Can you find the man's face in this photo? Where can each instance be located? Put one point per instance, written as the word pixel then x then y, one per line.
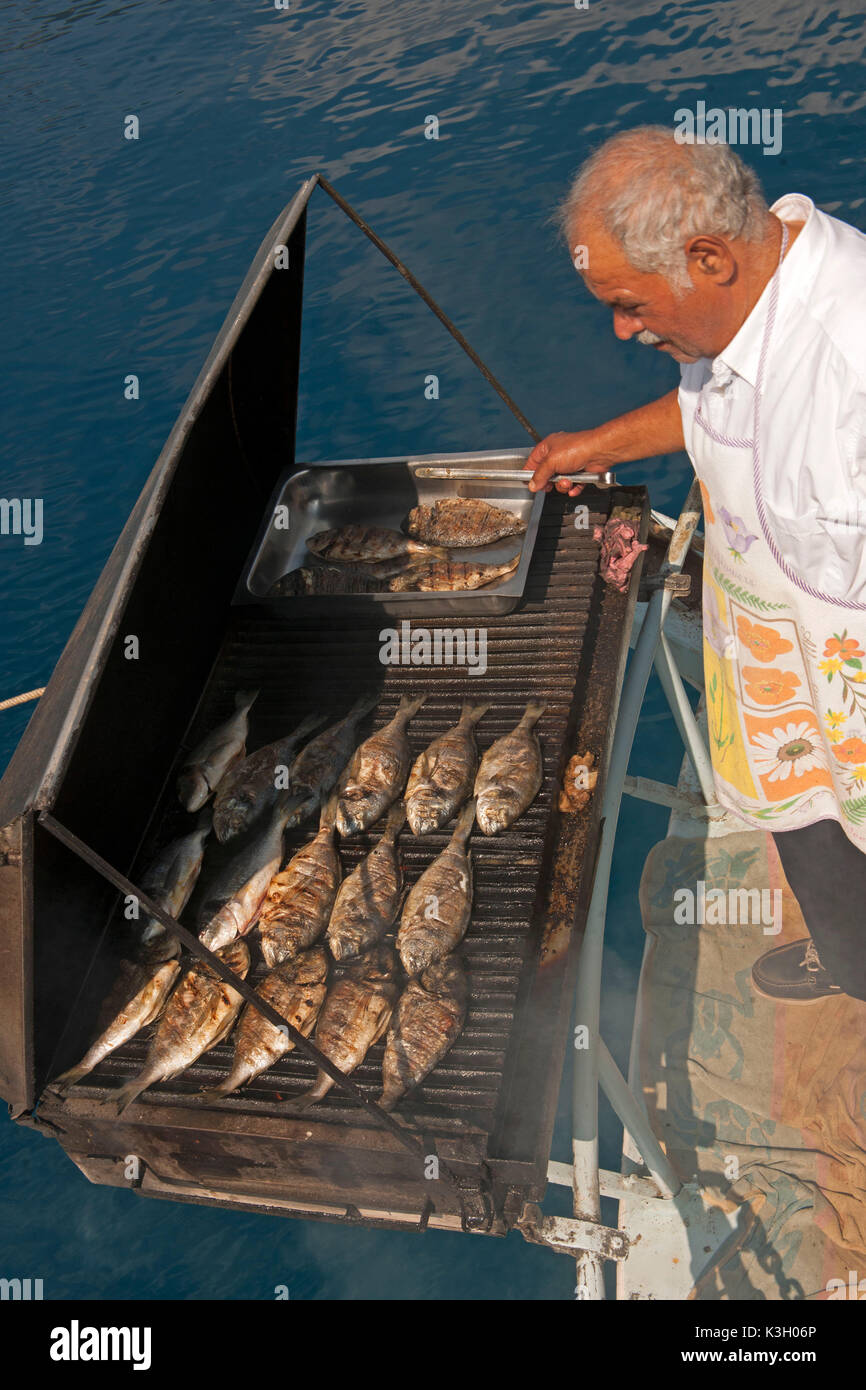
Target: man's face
pixel 644 306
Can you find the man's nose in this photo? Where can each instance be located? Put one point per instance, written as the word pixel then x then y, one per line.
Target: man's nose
pixel 626 325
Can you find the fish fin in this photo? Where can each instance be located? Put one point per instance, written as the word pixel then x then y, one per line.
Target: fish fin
pixel 204 819
pixel 245 699
pixel 308 724
pixel 396 819
pixel 62 1083
pixel 473 712
pixel 119 1101
pixel 329 812
pixel 533 712
pixel 317 1091
pixel 465 821
pixel 410 705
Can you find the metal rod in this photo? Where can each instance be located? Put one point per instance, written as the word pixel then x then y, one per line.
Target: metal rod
pixel 586 1196
pixel 635 1120
pixel 198 949
pixel 510 476
pixel 431 304
pixel 672 685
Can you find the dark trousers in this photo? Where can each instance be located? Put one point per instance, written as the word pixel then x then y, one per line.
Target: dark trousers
pixel 827 874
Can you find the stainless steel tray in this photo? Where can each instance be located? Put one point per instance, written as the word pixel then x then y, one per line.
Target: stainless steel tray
pixel 381 492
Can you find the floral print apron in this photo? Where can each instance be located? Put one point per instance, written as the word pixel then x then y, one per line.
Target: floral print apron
pixel 783 663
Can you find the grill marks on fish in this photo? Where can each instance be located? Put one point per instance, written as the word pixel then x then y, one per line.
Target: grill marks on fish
pixel 354 1016
pixel 360 544
pixel 510 774
pixel 296 990
pixel 377 771
pixel 143 1007
pixel 369 899
pixel 317 767
pixel 439 905
pixel 249 788
pixel 429 1016
pixel 299 899
pixel 200 1013
pixel 211 759
pixel 463 521
pixel 442 777
pixel 452 575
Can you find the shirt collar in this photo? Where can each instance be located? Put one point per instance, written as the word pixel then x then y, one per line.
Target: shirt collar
pixel 799 268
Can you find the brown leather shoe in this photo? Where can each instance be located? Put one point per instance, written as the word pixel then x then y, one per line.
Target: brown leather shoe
pixel 793 975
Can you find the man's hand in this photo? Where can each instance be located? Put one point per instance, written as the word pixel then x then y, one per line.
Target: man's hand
pixel 564 453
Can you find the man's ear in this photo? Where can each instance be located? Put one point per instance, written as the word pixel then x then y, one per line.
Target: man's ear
pixel 711 256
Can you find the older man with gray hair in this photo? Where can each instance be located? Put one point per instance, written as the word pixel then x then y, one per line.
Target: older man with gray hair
pixel 764 309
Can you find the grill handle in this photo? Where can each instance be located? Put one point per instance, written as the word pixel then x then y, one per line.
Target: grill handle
pixel 508 476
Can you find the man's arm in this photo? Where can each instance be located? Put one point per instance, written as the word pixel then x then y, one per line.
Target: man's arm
pixel 656 428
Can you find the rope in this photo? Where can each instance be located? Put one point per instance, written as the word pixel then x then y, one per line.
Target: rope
pixel 22 699
pixel 431 304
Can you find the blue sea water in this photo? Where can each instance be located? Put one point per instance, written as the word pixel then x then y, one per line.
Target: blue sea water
pixel 122 256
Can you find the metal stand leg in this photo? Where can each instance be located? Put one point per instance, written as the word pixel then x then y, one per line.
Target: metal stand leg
pixel 587 1061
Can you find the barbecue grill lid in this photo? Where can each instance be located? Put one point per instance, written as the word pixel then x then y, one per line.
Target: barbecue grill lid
pixel 34 778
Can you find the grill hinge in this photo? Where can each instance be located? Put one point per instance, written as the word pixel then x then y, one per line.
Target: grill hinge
pixel 568 1236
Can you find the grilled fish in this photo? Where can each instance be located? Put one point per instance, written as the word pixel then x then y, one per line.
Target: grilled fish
pixel 299 900
pixel 248 789
pixel 143 1007
pixel 510 774
pixel 169 880
pixel 199 1014
pixel 250 872
pixel 442 777
pixel 463 521
pixel 455 575
pixel 317 767
pixel 429 1016
pixel 354 1016
pixel 369 898
pixel 208 763
pixel 297 991
pixel 351 544
pixel 377 772
pixel 439 905
pixel 326 579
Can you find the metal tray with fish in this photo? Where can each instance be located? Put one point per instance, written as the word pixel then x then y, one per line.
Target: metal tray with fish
pixel 381 492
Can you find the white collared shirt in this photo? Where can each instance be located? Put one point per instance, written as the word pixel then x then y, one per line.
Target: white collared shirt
pixel 813 412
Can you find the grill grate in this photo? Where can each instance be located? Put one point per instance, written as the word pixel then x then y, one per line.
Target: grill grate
pixel 301 666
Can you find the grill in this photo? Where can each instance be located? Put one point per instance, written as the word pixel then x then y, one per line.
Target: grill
pixel 488 1107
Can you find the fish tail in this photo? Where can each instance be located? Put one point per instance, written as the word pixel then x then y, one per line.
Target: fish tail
pixel 225 1087
pixel 317 1091
pixel 410 705
pixel 363 705
pixel 204 820
pixel 465 822
pixel 69 1078
pixel 396 819
pixel 128 1093
pixel 533 712
pixel 307 725
pixel 472 713
pixel 328 814
pixel 245 699
pixel 388 1099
